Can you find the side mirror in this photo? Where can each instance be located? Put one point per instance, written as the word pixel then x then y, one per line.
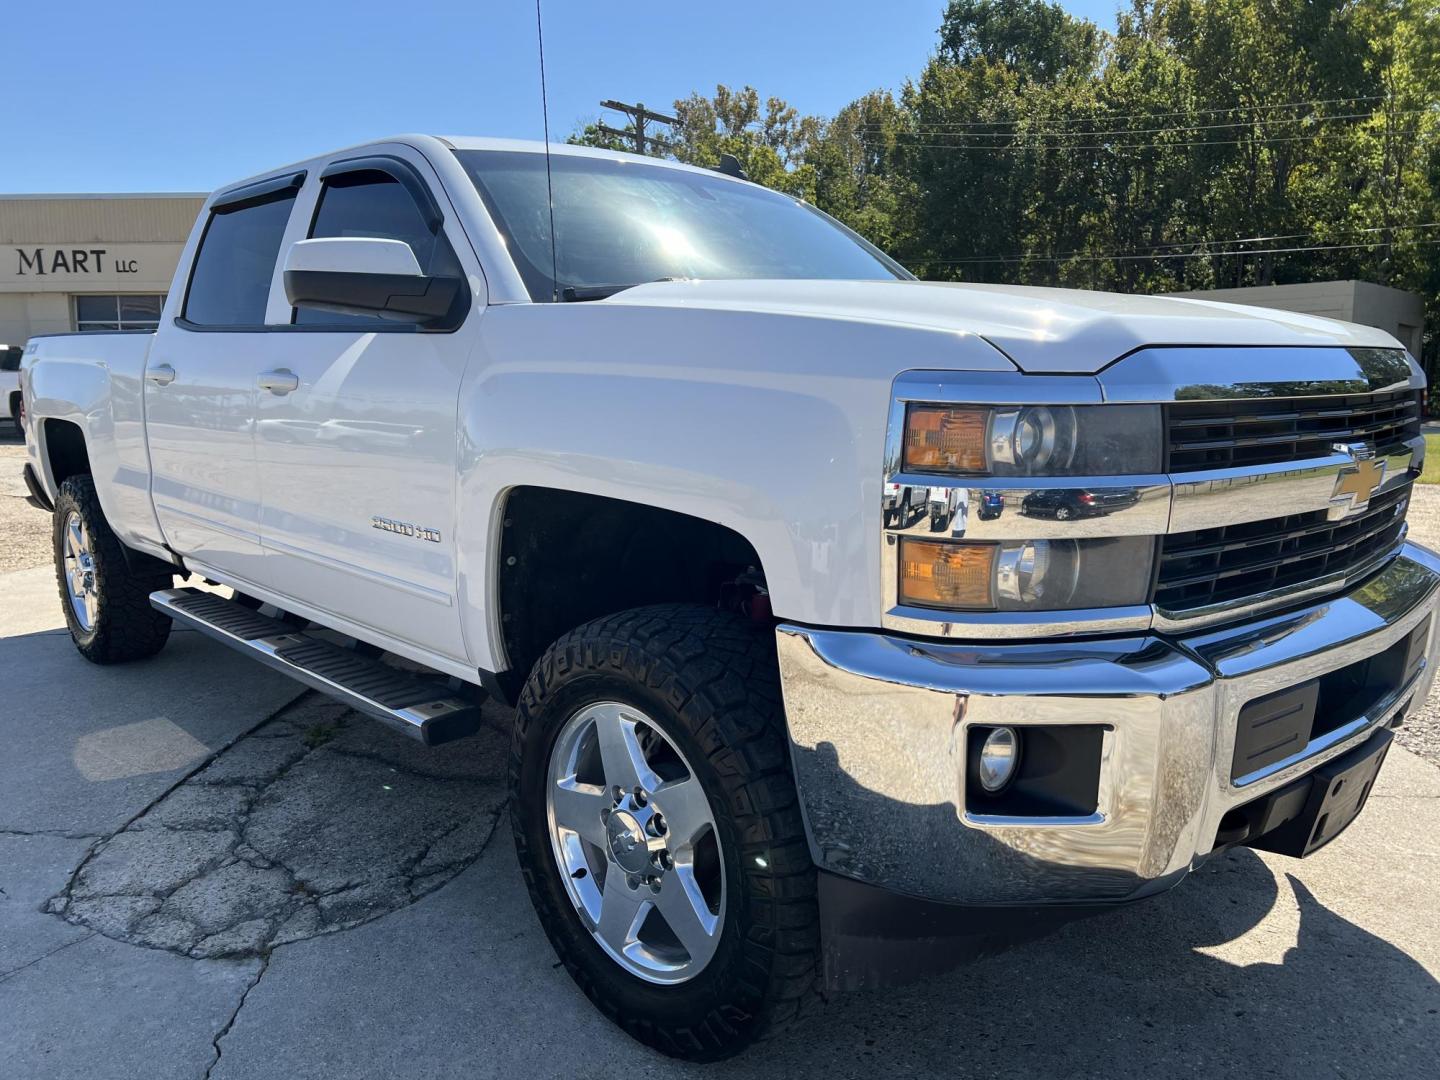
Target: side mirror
pixel 363 276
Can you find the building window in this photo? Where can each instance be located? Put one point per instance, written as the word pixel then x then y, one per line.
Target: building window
pixel 98 312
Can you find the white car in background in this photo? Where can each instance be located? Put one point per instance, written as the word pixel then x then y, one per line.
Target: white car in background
pixel 10 381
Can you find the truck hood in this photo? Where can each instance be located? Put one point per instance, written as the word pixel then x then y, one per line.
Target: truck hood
pixel 1040 330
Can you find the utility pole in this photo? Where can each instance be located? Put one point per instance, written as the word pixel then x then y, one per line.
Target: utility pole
pixel 640 117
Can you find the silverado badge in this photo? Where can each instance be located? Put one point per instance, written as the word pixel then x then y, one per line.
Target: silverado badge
pixel 404 528
pixel 1357 482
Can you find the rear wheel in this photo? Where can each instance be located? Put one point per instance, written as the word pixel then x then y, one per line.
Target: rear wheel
pixel 107 604
pixel 658 828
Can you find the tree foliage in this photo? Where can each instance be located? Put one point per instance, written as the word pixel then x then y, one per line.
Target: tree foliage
pixel 1197 144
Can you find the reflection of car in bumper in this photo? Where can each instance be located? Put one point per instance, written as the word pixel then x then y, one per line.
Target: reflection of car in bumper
pixel 1064 503
pixel 897 503
pixel 992 505
pixel 1125 796
pixel 942 504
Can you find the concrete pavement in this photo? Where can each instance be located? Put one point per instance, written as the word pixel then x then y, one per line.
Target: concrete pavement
pixel 205 873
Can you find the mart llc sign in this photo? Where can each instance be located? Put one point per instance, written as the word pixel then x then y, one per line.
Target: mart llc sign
pixel 53 261
pixel 96 267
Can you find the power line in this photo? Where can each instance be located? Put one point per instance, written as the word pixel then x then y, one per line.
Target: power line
pixel 1060 255
pixel 1111 117
pixel 1008 259
pixel 1019 133
pixel 1149 144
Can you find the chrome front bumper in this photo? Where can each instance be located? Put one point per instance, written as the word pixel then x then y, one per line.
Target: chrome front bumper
pixel 878 734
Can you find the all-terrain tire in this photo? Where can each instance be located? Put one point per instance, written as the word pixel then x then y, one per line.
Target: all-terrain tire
pixel 710 679
pixel 125 626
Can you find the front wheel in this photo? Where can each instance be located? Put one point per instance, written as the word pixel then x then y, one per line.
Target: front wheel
pixel 107 604
pixel 658 827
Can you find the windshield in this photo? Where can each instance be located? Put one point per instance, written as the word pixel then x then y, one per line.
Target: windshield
pixel 621 223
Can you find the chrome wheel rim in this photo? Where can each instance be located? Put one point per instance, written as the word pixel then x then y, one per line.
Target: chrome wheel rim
pixel 635 841
pixel 80 572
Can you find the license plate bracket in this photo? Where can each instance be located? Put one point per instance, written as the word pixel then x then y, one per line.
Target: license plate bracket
pixel 1339 790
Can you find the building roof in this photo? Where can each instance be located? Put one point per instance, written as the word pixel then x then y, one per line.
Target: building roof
pixel 85 219
pixel 7 196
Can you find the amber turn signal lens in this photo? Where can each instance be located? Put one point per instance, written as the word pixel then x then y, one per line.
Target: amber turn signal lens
pixel 939 437
pixel 947 575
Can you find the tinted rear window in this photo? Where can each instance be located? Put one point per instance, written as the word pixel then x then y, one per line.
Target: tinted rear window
pixel 230 284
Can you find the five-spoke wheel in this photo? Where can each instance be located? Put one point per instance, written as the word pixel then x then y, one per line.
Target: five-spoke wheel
pixel 79 571
pixel 657 824
pixel 632 829
pixel 105 589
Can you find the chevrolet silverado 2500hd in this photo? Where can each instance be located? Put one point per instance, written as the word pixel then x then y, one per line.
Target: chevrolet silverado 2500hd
pixel 633 457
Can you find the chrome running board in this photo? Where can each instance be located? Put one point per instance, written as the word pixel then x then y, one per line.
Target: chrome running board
pixel 420 706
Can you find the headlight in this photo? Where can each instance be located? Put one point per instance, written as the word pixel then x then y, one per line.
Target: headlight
pixel 1032 440
pixel 1025 575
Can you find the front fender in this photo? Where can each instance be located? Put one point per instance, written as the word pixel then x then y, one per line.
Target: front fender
pixel 769 425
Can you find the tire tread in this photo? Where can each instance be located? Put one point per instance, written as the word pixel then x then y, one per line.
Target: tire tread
pixel 128 627
pixel 719 673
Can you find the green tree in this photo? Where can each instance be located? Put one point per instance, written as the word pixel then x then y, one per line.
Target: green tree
pixel 860 176
pixel 770 140
pixel 591 135
pixel 995 178
pixel 1039 41
pixel 1202 143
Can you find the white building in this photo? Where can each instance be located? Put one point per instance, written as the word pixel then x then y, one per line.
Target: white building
pixel 88 262
pixel 1393 310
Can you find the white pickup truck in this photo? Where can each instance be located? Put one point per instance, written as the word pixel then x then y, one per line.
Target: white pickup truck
pixel 10 382
pixel 623 449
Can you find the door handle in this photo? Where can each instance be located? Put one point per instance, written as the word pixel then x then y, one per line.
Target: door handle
pixel 280 381
pixel 161 374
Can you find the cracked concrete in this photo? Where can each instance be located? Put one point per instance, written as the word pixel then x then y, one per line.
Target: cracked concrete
pixel 239 1005
pixel 182 951
pixel 318 821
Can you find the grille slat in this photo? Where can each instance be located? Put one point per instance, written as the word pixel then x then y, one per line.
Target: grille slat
pixel 1214 566
pixel 1236 562
pixel 1264 431
pixel 1275 535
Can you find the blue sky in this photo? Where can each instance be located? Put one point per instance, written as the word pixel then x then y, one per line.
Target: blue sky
pixel 180 95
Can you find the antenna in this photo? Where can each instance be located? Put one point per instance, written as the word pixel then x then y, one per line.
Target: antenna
pixel 549 183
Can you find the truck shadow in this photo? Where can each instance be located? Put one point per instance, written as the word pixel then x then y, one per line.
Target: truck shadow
pixel 1242 968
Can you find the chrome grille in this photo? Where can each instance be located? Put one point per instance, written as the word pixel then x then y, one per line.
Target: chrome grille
pixel 1265 431
pixel 1214 566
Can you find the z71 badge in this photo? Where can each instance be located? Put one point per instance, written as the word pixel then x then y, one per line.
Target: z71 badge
pixel 404 528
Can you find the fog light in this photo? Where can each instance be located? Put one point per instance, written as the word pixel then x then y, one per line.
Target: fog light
pixel 999 758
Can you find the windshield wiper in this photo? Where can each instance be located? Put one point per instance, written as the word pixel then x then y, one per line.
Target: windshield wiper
pixel 576 294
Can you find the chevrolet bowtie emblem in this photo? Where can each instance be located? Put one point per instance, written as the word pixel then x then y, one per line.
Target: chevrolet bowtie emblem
pixel 1357 483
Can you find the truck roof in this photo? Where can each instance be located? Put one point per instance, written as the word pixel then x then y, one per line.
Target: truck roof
pixel 535 146
pixel 479 142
